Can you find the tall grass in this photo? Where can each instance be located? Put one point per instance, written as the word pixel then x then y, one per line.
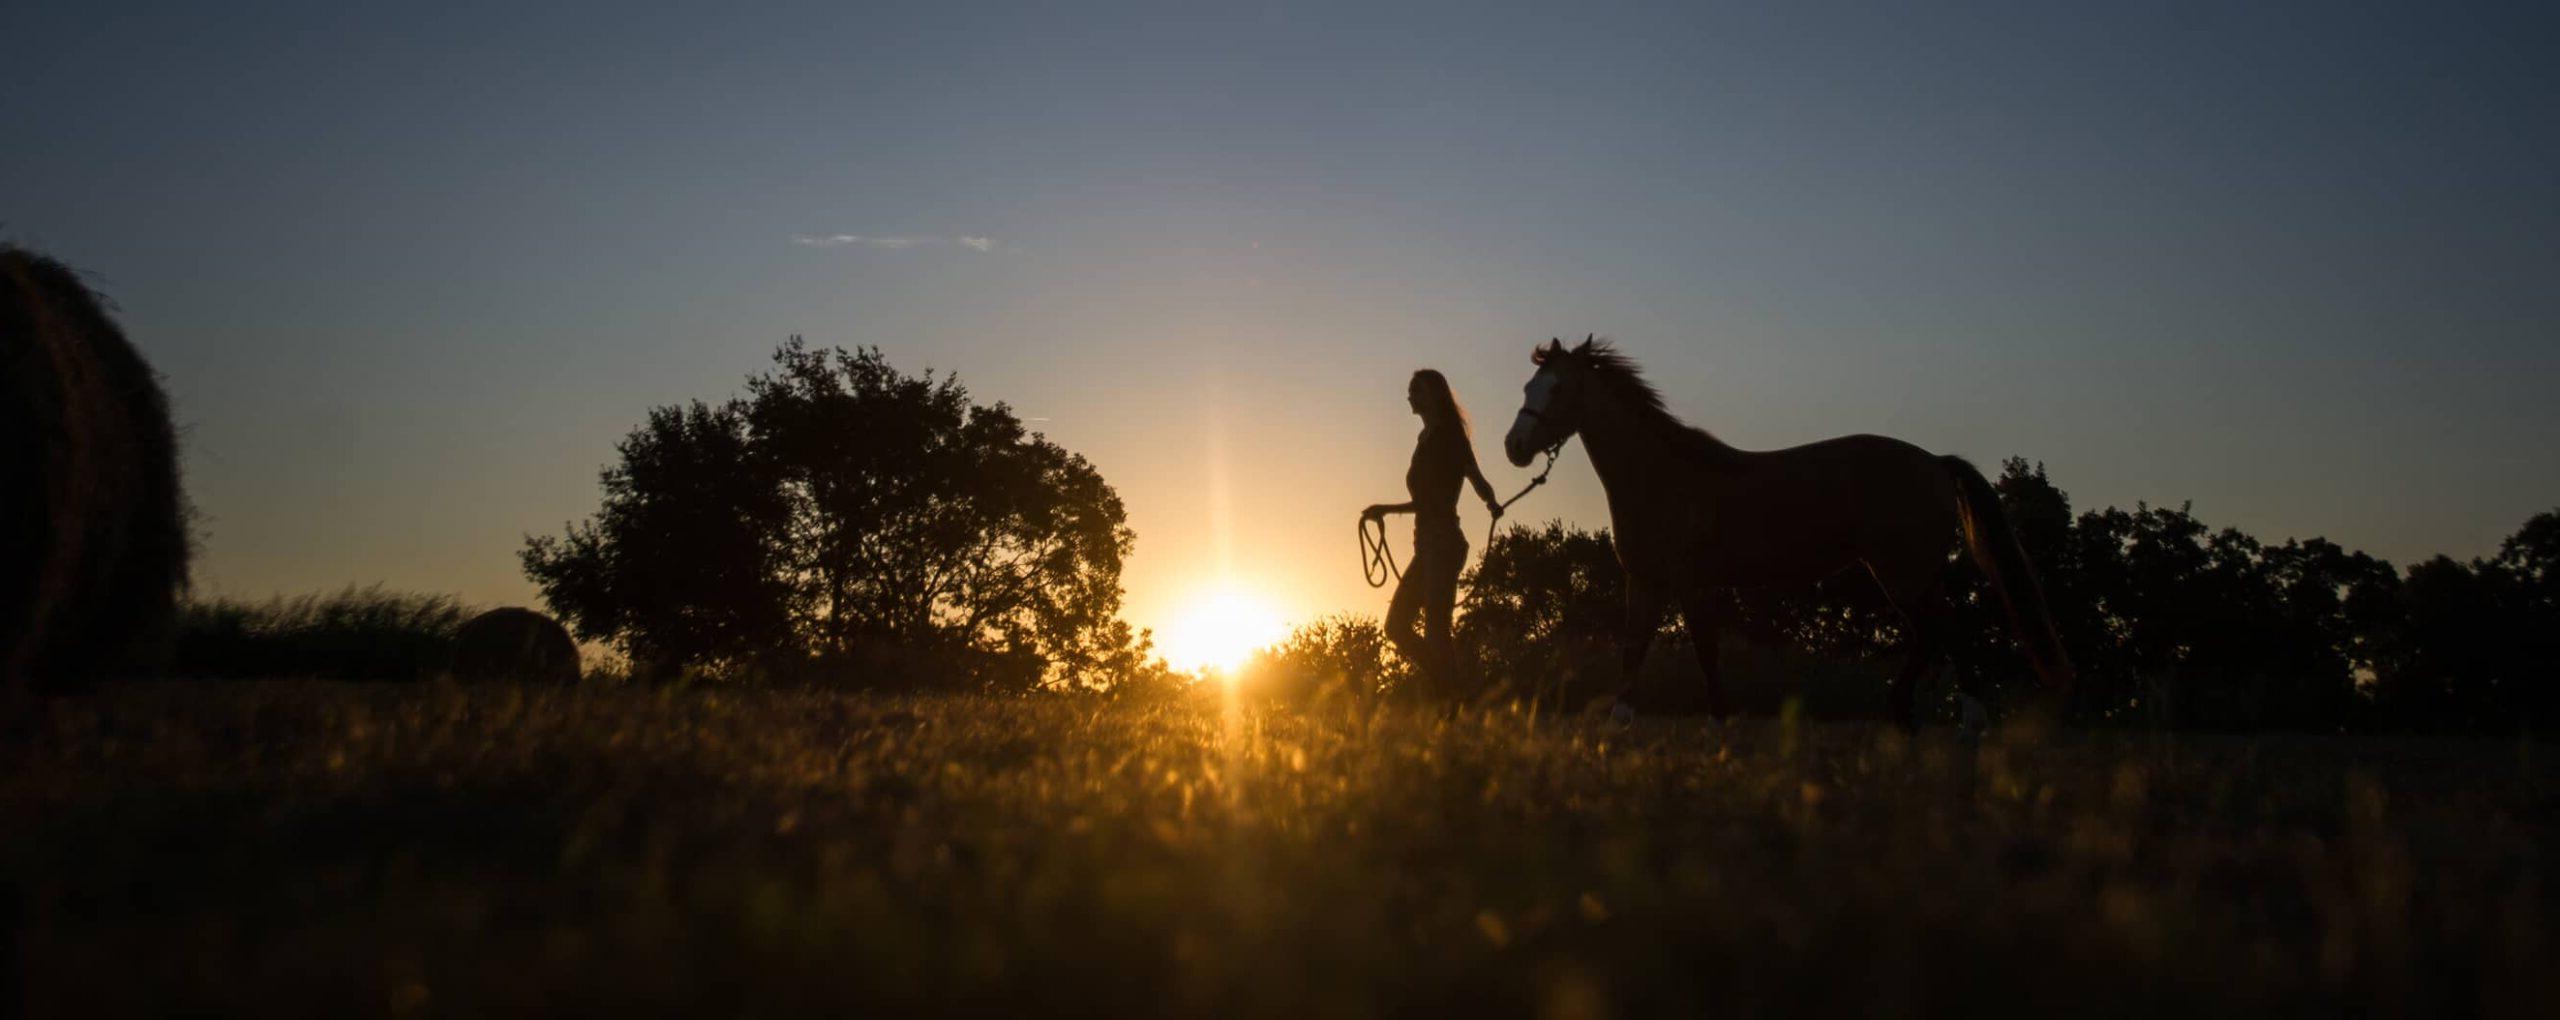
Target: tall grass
pixel 356 634
pixel 325 849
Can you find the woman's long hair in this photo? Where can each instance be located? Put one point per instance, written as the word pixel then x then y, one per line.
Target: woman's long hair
pixel 1441 409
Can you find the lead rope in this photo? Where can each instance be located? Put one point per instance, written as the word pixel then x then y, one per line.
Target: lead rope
pixel 1496 522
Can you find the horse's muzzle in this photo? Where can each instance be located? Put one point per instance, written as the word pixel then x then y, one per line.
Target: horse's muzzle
pixel 1520 444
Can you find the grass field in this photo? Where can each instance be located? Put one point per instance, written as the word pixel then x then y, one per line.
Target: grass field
pixel 432 850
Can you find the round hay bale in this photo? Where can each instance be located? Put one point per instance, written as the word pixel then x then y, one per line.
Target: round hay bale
pixel 514 644
pixel 93 539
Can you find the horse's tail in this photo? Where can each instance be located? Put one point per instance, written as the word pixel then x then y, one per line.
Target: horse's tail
pixel 1995 549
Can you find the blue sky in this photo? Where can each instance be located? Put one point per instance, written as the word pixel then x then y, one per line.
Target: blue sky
pixel 411 271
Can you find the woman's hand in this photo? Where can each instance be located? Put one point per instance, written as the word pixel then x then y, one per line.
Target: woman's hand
pixel 1375 512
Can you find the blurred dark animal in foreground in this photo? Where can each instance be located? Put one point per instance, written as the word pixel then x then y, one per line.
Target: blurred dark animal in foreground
pixel 93 541
pixel 514 644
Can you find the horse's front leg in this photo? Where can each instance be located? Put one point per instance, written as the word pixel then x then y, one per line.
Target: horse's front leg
pixel 1635 637
pixel 1699 606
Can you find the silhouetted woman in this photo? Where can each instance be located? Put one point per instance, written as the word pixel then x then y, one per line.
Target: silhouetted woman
pixel 1443 456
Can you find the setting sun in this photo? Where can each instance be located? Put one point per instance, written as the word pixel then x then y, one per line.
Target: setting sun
pixel 1220 629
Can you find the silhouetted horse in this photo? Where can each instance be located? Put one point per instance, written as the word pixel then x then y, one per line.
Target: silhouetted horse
pixel 1691 514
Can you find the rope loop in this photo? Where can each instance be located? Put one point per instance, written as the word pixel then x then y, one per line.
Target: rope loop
pixel 1377 562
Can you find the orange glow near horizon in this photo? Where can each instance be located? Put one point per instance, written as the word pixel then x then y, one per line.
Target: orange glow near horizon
pixel 1220 627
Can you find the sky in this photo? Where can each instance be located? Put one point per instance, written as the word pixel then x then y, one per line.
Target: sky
pixel 411 270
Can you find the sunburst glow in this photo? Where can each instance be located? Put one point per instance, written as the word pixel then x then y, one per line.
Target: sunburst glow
pixel 1221 628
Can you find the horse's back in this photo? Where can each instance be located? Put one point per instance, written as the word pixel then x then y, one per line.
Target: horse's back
pixel 1805 511
pixel 1850 471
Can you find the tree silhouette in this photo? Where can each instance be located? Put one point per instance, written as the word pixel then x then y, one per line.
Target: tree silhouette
pixel 1342 655
pixel 840 510
pixel 1542 607
pixel 2529 566
pixel 684 563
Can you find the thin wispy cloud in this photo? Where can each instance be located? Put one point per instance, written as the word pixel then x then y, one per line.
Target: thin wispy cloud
pixel 894 242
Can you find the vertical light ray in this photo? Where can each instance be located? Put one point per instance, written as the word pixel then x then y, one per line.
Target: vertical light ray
pixel 1219 477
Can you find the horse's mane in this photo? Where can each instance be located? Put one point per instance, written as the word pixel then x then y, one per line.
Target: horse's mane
pixel 1616 370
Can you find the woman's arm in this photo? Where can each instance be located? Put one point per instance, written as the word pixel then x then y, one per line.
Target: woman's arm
pixel 1383 509
pixel 1475 475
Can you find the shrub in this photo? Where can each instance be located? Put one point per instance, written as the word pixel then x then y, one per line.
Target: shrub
pixel 355 634
pixel 1339 656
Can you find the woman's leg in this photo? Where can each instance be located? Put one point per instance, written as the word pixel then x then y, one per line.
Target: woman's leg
pixel 1404 613
pixel 1440 602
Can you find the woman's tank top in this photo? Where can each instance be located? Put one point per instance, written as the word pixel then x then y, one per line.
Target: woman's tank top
pixel 1439 466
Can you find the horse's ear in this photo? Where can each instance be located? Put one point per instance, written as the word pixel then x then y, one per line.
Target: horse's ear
pixel 1586 344
pixel 1539 355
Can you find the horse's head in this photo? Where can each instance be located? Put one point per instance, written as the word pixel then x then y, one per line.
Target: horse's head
pixel 1551 412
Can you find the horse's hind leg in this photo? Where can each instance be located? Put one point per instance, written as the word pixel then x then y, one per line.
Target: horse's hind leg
pixel 1700 608
pixel 1635 635
pixel 1922 647
pixel 1920 597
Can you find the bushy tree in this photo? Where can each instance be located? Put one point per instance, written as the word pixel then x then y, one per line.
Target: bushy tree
pixel 2528 565
pixel 1541 610
pixel 1124 664
pixel 686 561
pixel 1342 656
pixel 842 506
pixel 2478 644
